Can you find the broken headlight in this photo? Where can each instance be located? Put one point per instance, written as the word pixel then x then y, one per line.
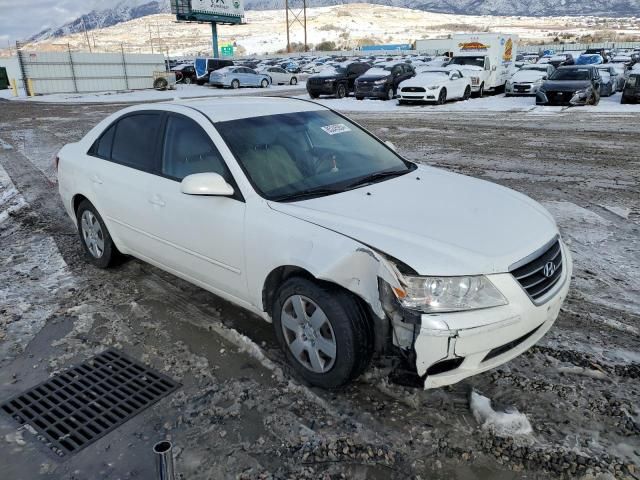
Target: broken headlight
pixel 449 294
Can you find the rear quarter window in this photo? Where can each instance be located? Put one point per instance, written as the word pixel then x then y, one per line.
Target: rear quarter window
pixel 102 146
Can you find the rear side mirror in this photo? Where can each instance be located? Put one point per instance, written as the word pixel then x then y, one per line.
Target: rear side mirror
pixel 206 184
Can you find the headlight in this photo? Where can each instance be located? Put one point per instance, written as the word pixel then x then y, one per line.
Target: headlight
pixel 449 294
pixel 581 93
pixel 538 81
pixel 382 81
pixel 329 80
pixel 434 87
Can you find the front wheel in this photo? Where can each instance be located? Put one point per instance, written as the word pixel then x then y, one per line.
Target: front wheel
pixel 467 93
pixel 341 91
pixel 324 332
pixel 96 241
pixel 442 97
pixel 390 94
pixel 294 81
pixel 264 83
pixel 235 84
pixel 187 80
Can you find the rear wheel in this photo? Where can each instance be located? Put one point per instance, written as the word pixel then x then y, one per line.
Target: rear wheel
pixel 442 97
pixel 294 81
pixel 324 331
pixel 97 244
pixel 341 91
pixel 235 84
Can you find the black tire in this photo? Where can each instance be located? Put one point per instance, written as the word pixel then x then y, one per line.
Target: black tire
pixel 293 81
pixel 623 100
pixel 341 90
pixel 359 98
pixel 264 83
pixel 313 95
pixel 479 93
pixel 160 83
pixel 442 97
pixel 110 254
pixel 389 94
pixel 187 80
pixel 235 84
pixel 353 333
pixel 467 93
pixel 200 82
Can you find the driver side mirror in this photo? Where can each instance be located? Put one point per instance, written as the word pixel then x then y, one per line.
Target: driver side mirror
pixel 211 184
pixel 390 145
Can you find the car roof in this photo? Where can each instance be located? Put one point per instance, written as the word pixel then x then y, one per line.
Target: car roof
pixel 222 109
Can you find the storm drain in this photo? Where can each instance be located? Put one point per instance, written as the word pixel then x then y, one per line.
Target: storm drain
pixel 75 408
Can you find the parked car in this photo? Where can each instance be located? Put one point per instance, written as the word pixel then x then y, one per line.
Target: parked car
pixel 598 51
pixel 574 85
pixel 279 76
pixel 185 73
pixel 590 59
pixel 382 82
pixel 528 79
pixel 616 77
pixel 236 77
pixel 631 90
pixel 337 80
pixel 291 211
pixel 204 66
pixel 435 85
pixel 562 59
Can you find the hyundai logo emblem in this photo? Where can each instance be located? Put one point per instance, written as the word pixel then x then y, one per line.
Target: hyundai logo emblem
pixel 549 269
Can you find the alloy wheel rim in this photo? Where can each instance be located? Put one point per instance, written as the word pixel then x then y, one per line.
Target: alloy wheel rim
pixel 92 234
pixel 308 334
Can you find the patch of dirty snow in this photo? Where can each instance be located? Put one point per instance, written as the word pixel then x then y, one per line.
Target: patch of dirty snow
pixel 622 212
pixel 502 424
pixel 582 225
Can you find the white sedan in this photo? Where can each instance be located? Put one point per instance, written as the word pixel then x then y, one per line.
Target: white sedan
pixel 435 85
pixel 279 76
pixel 302 217
pixel 528 79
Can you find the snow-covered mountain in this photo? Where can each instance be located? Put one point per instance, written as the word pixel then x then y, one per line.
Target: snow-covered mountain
pixel 131 9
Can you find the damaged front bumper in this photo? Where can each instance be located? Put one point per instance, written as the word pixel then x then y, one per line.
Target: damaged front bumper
pixel 452 346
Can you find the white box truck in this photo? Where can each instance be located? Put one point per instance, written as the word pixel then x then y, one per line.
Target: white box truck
pixel 488 58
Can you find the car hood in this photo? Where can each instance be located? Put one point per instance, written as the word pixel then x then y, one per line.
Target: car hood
pixel 566 85
pixel 372 78
pixel 424 80
pixel 527 76
pixel 437 222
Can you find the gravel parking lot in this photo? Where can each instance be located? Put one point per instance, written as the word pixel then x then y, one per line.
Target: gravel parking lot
pixel 240 413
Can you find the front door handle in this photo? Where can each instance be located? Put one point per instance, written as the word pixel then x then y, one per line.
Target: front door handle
pixel 156 200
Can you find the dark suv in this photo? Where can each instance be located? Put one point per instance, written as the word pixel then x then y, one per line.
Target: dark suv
pixel 204 66
pixel 631 91
pixel 382 81
pixel 574 85
pixel 336 80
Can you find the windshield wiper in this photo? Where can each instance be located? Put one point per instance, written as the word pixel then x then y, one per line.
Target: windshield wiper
pixel 308 193
pixel 376 176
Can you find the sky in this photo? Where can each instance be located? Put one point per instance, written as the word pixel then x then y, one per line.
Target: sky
pixel 19 19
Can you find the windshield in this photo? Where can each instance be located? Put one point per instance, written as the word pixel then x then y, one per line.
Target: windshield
pixel 539 68
pixel 290 154
pixel 570 74
pixel 477 61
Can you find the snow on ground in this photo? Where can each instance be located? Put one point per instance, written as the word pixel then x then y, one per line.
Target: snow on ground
pixel 502 424
pixel 150 95
pixel 493 103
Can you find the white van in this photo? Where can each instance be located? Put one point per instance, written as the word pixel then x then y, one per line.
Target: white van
pixel 488 58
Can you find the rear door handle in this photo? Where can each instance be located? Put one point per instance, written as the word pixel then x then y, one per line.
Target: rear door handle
pixel 96 179
pixel 156 200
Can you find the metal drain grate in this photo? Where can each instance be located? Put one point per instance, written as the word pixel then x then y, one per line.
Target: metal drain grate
pixel 75 408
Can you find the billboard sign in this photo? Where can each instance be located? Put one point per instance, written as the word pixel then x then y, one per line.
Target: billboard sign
pixel 225 8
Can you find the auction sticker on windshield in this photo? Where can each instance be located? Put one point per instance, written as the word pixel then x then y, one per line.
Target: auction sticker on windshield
pixel 336 128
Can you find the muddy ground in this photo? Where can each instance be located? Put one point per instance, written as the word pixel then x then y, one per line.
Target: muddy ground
pixel 241 414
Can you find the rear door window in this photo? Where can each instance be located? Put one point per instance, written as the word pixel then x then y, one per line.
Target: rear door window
pixel 135 141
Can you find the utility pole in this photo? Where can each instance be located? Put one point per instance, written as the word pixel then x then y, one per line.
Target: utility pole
pixel 296 11
pixel 150 38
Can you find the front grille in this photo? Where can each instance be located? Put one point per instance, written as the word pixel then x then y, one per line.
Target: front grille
pixel 315 81
pixel 77 407
pixel 475 81
pixel 413 89
pixel 538 276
